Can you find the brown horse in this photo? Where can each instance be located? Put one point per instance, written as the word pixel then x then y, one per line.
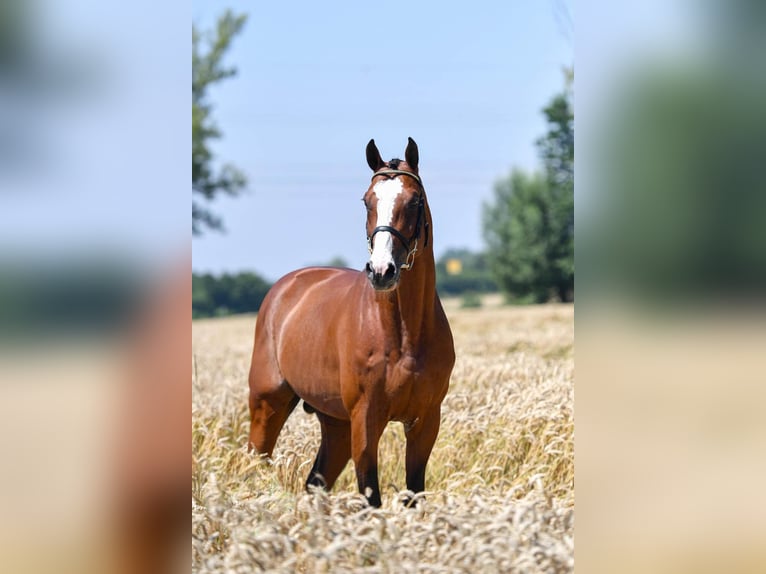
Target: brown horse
pixel 361 348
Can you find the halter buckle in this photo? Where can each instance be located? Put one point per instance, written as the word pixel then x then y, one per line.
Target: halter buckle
pixel 410 261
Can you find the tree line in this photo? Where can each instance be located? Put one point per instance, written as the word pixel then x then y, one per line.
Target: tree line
pixel 227 294
pixel 233 293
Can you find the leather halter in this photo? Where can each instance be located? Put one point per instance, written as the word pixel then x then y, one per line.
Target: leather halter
pixel 410 260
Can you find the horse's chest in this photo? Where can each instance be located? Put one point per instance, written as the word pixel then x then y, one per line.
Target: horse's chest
pixel 401 373
pixel 392 366
pixel 394 380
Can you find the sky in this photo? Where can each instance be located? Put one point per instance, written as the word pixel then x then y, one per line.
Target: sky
pixel 317 81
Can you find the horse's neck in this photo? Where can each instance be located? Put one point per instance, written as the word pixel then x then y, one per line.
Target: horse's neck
pixel 412 306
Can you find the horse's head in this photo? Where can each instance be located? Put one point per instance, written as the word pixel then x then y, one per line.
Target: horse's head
pixel 396 216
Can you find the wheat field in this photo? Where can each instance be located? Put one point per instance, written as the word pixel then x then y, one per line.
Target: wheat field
pixel 500 481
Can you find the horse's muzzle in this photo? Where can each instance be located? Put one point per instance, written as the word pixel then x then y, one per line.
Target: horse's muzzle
pixel 383 281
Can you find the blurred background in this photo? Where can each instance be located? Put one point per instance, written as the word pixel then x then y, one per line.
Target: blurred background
pixel 90 157
pixel 94 285
pixel 671 253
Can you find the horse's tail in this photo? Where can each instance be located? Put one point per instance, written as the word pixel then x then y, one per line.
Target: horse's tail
pixel 308 408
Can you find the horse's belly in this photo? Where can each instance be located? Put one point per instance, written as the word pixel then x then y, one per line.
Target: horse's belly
pixel 328 404
pixel 316 381
pixel 307 355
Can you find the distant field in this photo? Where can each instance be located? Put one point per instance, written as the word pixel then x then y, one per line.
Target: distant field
pixel 501 476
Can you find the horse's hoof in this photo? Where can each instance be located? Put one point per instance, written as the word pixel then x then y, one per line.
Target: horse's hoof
pixel 411 500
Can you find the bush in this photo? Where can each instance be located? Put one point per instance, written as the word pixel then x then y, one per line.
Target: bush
pixel 471 300
pixel 228 294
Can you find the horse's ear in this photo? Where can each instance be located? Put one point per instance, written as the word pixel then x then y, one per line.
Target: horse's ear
pixel 373 156
pixel 411 154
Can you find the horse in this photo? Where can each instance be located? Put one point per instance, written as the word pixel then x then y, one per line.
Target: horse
pixel 360 348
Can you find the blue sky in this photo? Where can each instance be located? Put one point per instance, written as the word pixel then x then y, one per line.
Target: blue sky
pixel 98 175
pixel 317 80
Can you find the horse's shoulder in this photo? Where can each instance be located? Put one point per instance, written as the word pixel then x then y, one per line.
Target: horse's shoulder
pixel 307 278
pixel 310 289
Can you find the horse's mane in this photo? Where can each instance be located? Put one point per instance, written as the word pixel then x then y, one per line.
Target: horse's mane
pixel 394 163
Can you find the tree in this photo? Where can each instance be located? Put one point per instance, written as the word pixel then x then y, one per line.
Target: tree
pixel 209 180
pixel 557 150
pixel 516 230
pixel 529 227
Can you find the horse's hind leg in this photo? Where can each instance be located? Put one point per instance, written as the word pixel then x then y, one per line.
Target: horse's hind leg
pixel 268 414
pixel 267 417
pixel 334 452
pixel 271 398
pixel 271 402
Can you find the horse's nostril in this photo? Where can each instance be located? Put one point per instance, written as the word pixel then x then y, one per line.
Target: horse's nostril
pixel 380 278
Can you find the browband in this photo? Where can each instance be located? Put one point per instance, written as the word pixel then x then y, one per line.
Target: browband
pixel 388 171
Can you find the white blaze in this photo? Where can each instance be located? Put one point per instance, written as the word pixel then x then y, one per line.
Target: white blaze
pixel 382 252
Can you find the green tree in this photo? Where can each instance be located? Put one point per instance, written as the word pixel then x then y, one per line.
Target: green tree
pixel 529 225
pixel 209 179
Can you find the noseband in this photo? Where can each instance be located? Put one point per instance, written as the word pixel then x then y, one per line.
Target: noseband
pixel 410 260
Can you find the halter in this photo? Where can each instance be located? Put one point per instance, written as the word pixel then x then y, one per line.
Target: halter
pixel 410 260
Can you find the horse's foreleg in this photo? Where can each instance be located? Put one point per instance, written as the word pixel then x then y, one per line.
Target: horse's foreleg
pixel 366 429
pixel 334 452
pixel 268 414
pixel 420 441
